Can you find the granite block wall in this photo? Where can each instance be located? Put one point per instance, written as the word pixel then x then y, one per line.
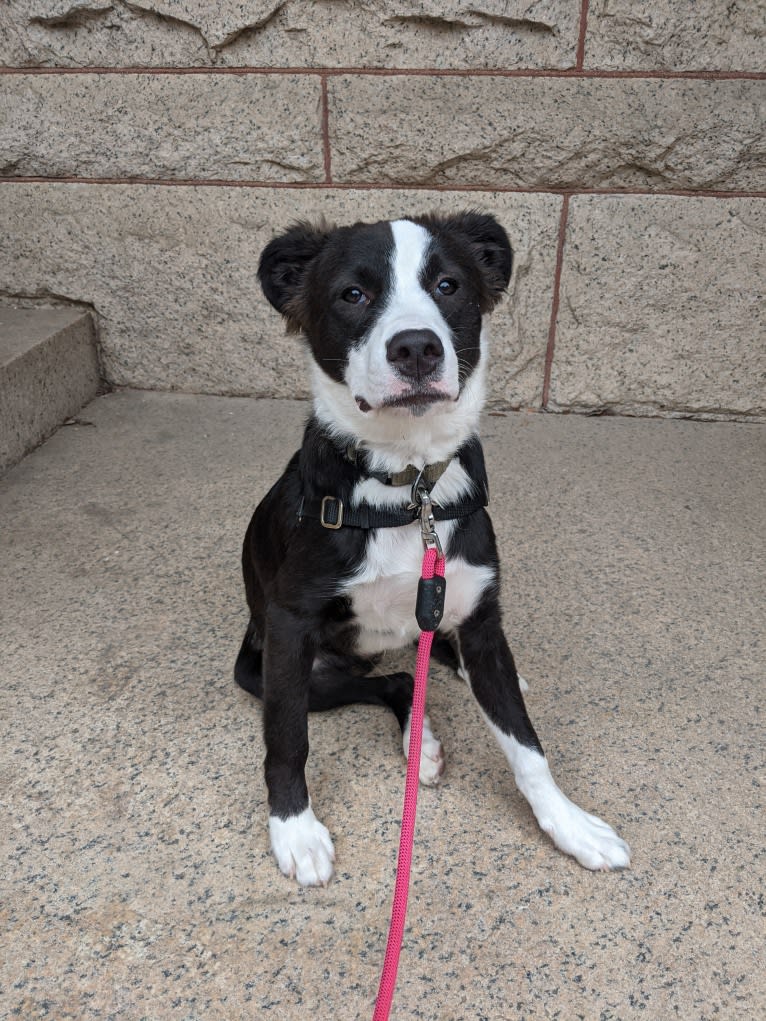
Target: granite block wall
pixel 148 150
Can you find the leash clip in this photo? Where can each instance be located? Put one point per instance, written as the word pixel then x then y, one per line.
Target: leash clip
pixel 421 498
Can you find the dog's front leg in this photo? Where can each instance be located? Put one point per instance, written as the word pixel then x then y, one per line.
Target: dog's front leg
pixel 301 844
pixel 491 672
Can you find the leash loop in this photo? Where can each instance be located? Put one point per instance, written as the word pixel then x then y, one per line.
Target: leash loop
pixel 432 572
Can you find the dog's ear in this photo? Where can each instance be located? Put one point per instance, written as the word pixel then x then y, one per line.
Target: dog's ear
pixel 284 264
pixel 489 243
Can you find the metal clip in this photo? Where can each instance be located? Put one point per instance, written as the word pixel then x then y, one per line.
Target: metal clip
pixel 421 498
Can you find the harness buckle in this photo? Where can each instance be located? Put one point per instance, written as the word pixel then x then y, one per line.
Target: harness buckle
pixel 328 501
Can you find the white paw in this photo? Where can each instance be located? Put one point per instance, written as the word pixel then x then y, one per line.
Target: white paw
pixel 303 848
pixel 594 844
pixel 523 685
pixel 587 838
pixel 431 754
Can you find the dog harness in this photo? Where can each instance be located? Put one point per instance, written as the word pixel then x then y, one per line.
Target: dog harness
pixel 333 513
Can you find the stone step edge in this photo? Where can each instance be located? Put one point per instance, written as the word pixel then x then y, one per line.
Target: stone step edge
pixel 49 369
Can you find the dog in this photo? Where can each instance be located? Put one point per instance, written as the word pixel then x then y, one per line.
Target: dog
pixel 394 317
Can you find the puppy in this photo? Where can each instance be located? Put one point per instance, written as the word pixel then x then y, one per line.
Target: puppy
pixel 393 314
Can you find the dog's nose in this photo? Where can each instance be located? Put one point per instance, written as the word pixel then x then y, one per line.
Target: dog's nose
pixel 415 353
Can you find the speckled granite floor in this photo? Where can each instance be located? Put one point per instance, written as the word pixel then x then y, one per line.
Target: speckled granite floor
pixel 136 878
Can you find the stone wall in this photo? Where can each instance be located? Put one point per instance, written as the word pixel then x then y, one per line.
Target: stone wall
pixel 149 148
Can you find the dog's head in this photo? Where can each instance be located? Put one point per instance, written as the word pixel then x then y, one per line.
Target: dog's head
pixel 392 312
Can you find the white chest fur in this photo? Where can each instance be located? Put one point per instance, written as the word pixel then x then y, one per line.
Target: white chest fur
pixel 384 590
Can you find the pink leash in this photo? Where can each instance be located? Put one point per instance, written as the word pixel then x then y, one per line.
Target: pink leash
pixel 433 595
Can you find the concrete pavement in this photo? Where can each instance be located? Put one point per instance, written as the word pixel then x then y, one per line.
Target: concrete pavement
pixel 137 881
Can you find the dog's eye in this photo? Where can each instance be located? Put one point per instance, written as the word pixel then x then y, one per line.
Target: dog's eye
pixel 447 286
pixel 355 296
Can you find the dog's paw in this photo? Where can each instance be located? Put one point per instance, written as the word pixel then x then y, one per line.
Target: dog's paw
pixel 523 686
pixel 587 838
pixel 431 754
pixel 431 761
pixel 303 848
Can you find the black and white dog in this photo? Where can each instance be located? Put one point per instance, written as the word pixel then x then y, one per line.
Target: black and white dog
pixel 393 313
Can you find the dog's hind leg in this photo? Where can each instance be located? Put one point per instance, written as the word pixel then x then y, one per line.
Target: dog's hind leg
pixel 337 681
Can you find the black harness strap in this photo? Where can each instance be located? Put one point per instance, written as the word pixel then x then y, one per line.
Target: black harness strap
pixel 334 514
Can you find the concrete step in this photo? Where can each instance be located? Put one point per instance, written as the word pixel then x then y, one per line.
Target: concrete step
pixel 48 370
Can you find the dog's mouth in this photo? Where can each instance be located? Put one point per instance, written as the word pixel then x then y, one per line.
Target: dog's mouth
pixel 416 401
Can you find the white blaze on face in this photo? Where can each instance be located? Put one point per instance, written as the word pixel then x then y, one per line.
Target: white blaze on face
pixel 408 307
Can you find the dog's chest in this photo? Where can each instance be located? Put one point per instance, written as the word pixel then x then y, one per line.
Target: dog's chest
pixel 384 589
